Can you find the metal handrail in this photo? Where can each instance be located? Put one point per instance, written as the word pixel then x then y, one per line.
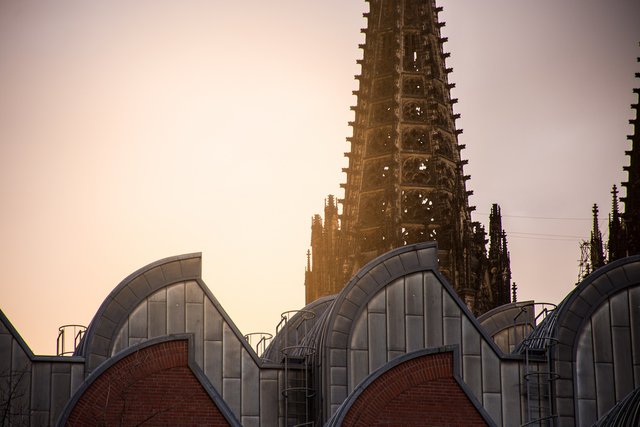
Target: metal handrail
pixel 258 341
pixel 62 348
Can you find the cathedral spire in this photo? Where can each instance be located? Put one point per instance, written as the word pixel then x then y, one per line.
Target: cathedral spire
pixel 597 252
pixel 631 215
pixel 405 181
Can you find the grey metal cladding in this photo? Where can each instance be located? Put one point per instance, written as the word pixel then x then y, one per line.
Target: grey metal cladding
pixel 213 363
pixel 157 318
pixel 359 335
pixel 250 386
pixel 77 376
pixel 138 322
pixel 510 385
pixel 428 258
pixel 367 284
pixel 212 322
pixel 159 295
pixel 564 387
pixel 358 367
pixel 601 324
pixel 172 271
pixel 449 306
pixel 606 391
pixel 140 287
pixel 565 370
pixel 492 403
pixel 379 273
pixel 94 361
pixel 587 411
pixel 378 304
pixel 338 357
pixel 231 393
pixel 250 421
pixel 591 295
pixel 342 324
pixel 175 309
pixel 61 368
pixel 60 393
pixel 564 409
pixel 126 298
pixel 338 394
pixel 348 309
pixel 338 339
pixel 394 266
pixel 603 284
pixel 191 267
pixel 565 352
pixel 5 352
pixel 414 333
pixel 410 261
pixel 452 330
pixel 338 375
pixel 620 308
pixel 194 325
pixel 470 338
pixel 100 346
pixel 490 370
pixel 585 385
pixel 231 347
pixel 193 292
pixel 580 306
pixel 414 294
pixel 632 271
pixel 40 386
pixel 433 311
pixel 39 418
pixel 155 278
pixel 114 311
pixel 622 363
pixel 377 341
pixel 634 315
pixel 357 296
pixel 618 277
pixel 502 340
pixel 572 321
pixel 269 394
pixel 106 328
pixel 395 316
pixel 472 374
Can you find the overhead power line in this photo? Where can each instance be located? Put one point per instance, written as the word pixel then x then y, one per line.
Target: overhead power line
pixel 546 217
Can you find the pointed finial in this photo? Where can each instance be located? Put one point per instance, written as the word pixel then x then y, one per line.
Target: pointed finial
pixel 614 206
pixel 514 292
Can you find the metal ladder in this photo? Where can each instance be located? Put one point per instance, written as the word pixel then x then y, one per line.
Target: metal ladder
pixel 297 389
pixel 539 377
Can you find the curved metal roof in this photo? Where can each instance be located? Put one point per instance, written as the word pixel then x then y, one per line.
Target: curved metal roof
pixel 625 413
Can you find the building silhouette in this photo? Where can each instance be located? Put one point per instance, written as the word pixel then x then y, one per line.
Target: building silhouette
pixel 398 344
pixel 624 227
pixel 405 182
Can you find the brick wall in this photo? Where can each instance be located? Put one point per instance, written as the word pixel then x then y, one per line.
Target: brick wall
pixel 421 391
pixel 153 386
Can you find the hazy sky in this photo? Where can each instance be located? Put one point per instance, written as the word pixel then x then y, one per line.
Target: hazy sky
pixel 135 130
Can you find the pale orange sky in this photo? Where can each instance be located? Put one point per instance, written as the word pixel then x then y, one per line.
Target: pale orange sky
pixel 135 130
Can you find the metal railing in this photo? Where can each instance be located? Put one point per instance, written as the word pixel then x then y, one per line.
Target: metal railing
pixel 69 337
pixel 259 342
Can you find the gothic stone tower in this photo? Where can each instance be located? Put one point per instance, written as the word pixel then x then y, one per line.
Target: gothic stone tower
pixel 624 228
pixel 405 181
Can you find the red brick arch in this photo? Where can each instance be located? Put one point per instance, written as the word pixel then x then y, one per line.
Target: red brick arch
pixel 151 386
pixel 419 391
